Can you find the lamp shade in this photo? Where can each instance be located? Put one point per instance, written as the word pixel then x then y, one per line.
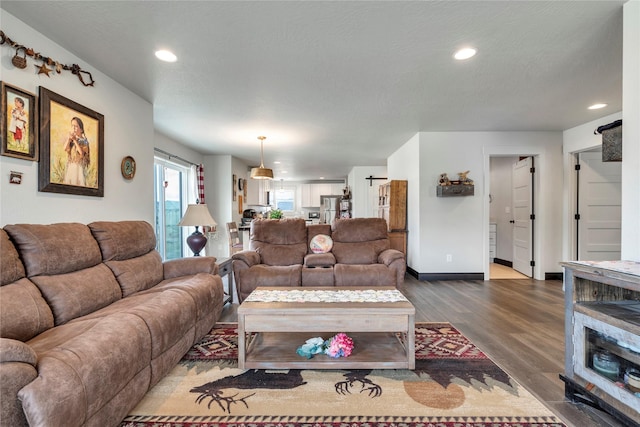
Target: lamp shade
pixel 197 215
pixel 261 173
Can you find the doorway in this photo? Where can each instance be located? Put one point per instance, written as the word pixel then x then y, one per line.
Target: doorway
pixel 511 228
pixel 598 207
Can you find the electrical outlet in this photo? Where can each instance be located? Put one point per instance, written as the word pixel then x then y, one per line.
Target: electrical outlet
pixel 449 258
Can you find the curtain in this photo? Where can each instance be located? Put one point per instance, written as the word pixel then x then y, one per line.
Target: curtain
pixel 200 193
pixel 200 182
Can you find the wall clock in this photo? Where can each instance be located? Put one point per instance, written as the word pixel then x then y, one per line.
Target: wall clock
pixel 240 186
pixel 128 167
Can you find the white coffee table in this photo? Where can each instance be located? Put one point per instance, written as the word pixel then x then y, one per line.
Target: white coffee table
pixel 270 331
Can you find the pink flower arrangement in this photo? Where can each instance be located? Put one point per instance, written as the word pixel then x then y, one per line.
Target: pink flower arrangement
pixel 340 345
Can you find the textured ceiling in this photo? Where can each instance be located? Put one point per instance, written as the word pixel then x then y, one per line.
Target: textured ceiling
pixel 337 84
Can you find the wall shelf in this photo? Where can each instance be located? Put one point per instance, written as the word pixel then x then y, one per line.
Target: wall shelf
pixel 455 190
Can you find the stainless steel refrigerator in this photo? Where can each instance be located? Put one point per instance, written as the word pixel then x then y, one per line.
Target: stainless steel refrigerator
pixel 329 208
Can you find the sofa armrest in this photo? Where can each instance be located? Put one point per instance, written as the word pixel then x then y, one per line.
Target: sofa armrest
pixel 250 258
pixel 189 266
pixel 16 351
pixel 387 257
pixel 319 260
pixel 17 369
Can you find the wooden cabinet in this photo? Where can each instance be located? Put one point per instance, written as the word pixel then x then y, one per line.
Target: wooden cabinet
pixel 602 335
pixel 398 240
pixel 392 206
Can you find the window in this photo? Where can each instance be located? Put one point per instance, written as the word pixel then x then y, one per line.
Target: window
pixel 171 183
pixel 285 199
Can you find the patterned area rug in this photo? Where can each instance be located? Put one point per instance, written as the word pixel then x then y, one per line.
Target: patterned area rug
pixel 454 385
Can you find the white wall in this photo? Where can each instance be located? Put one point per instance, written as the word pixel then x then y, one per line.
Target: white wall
pixel 167 144
pixel 364 196
pixel 404 164
pixel 128 131
pixel 217 193
pixel 631 132
pixel 460 225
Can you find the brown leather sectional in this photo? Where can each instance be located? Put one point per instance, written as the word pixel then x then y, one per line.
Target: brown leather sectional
pixel 280 255
pixel 91 319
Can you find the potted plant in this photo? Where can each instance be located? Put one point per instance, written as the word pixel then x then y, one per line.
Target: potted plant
pixel 275 214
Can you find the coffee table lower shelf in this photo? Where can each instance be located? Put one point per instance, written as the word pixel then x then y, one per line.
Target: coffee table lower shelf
pixel 372 350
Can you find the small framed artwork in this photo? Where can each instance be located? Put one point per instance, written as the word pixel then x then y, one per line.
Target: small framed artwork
pixel 71 147
pixel 19 118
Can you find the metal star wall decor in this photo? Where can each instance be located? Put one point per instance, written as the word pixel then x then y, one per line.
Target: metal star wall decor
pixel 42 69
pixel 20 61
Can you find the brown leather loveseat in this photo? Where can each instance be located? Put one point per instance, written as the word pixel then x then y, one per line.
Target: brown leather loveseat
pixel 280 255
pixel 91 319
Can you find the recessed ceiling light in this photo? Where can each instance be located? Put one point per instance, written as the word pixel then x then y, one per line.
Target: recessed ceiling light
pixel 276 162
pixel 322 177
pixel 166 56
pixel 465 53
pixel 284 171
pixel 597 106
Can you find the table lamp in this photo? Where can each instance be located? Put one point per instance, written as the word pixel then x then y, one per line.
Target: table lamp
pixel 195 216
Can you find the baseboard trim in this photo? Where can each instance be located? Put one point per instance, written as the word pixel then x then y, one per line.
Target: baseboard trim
pixel 427 277
pixel 503 262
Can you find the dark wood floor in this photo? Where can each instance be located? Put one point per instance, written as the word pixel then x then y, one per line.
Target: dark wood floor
pixel 519 324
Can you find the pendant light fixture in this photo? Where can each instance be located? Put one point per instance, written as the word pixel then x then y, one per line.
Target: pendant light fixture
pixel 261 172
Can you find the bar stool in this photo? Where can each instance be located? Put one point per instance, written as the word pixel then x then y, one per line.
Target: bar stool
pixel 235 245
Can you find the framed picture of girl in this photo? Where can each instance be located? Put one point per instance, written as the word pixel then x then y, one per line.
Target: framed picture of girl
pixel 19 117
pixel 71 147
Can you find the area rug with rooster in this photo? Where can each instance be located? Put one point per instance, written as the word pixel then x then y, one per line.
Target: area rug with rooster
pixel 454 384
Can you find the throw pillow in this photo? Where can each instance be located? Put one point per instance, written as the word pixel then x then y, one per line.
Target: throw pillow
pixel 321 244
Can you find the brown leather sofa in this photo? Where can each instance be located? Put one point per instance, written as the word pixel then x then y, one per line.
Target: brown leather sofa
pixel 91 319
pixel 280 255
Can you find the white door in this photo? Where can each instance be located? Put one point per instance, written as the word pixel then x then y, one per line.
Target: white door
pixel 599 206
pixel 522 211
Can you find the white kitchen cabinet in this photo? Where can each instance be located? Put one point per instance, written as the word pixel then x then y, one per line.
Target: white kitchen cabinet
pixel 310 193
pixel 256 191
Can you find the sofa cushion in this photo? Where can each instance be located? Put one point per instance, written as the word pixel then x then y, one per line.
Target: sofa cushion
pixel 285 231
pixel 280 255
pixel 359 253
pixel 78 293
pixel 279 242
pixel 122 240
pixel 351 230
pixel 11 268
pixel 55 248
pixel 87 368
pixel 364 275
pixel 137 274
pixel 23 311
pixel 263 275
